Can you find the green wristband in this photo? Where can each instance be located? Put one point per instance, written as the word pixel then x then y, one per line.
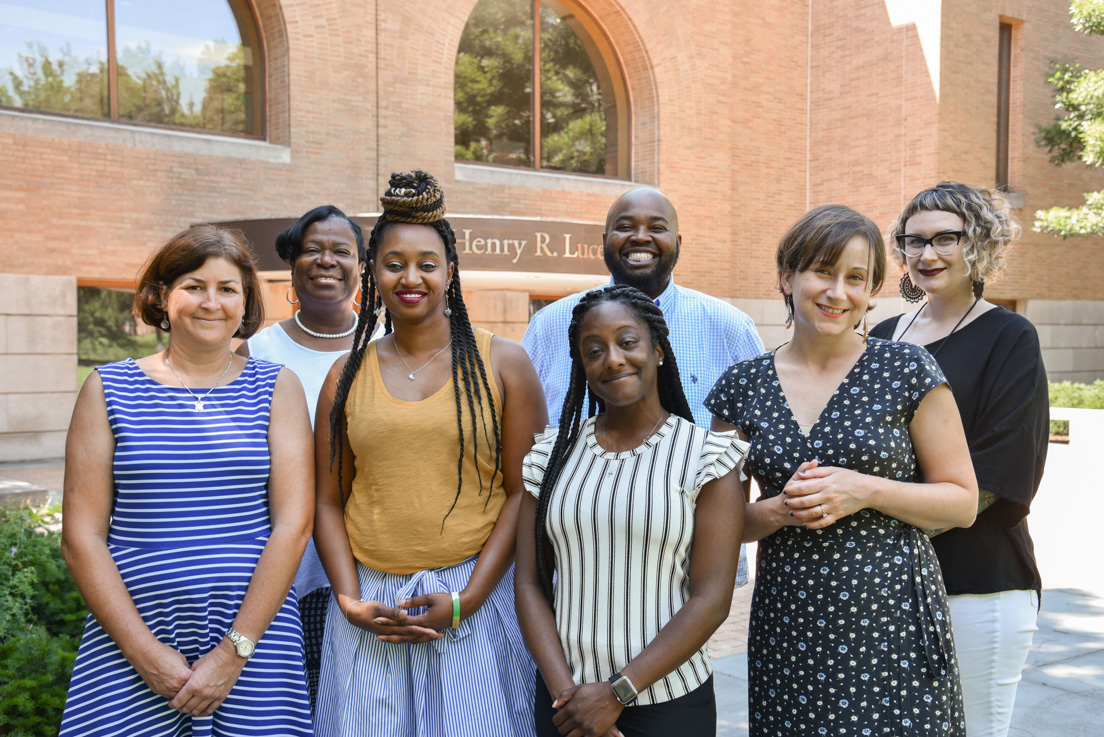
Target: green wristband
pixel 455 610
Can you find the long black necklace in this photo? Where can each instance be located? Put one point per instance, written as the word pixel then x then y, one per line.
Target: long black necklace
pixel 944 340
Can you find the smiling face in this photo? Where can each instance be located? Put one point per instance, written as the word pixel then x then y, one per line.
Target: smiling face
pixel 832 299
pixel 206 305
pixel 642 241
pixel 412 272
pixel 935 273
pixel 618 356
pixel 327 268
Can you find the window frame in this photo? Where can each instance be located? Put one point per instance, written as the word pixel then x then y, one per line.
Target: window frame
pixel 610 75
pixel 242 10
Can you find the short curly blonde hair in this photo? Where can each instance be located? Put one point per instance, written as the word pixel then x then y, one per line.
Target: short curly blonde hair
pixel 987 215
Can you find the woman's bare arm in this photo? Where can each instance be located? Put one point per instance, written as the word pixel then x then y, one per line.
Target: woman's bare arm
pixel 766 516
pixel 86 511
pixel 947 497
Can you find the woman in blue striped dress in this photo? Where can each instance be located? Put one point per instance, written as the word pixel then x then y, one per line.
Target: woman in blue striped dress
pixel 188 502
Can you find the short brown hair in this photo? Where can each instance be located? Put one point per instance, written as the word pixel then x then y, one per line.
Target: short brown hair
pixel 820 236
pixel 187 251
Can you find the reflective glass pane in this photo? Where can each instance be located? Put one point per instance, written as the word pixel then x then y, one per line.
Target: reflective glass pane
pixel 494 84
pixel 184 64
pixel 573 107
pixel 53 55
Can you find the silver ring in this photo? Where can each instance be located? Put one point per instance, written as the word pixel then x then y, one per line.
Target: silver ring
pixel 822 512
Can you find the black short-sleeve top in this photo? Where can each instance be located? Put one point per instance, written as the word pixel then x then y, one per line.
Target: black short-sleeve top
pixel 995 369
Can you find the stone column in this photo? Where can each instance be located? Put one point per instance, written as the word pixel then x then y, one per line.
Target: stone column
pixel 38 364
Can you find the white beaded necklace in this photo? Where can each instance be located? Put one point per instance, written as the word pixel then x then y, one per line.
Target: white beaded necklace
pixel 313 334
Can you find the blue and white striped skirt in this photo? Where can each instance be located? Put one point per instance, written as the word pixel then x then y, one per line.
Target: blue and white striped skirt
pixel 476 681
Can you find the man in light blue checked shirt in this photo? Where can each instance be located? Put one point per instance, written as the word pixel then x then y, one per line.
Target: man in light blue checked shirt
pixel 641 248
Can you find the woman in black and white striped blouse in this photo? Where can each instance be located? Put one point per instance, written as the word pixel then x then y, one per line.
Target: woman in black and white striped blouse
pixel 639 514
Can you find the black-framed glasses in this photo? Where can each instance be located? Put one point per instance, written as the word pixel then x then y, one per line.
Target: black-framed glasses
pixel 943 243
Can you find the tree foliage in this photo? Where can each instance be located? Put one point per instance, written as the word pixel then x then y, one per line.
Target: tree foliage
pixel 494 87
pixel 149 88
pixel 1077 134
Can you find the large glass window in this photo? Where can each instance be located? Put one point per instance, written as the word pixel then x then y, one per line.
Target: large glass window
pixel 190 65
pixel 545 95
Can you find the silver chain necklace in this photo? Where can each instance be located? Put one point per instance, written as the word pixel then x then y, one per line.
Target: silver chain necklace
pixel 198 400
pixel 313 334
pixel 414 371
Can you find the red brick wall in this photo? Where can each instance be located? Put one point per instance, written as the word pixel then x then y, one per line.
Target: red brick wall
pixel 740 114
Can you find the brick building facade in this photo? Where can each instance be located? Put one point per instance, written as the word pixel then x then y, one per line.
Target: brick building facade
pixel 745 113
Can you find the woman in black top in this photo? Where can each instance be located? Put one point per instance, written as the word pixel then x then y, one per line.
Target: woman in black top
pixel 952 238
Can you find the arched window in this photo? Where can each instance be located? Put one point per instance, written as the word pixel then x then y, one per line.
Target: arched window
pixel 189 65
pixel 543 96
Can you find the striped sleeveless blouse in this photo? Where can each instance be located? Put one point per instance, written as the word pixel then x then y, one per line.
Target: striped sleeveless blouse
pixel 189 521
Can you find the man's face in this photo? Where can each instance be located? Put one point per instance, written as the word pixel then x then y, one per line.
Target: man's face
pixel 642 241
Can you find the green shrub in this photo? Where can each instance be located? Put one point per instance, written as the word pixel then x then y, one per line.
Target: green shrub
pixel 41 618
pixel 1076 396
pixel 34 677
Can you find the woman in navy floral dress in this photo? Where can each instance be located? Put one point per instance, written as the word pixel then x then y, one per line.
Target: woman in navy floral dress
pixel 857 447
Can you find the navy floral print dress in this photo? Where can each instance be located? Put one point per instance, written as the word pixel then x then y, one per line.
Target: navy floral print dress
pixel 850 632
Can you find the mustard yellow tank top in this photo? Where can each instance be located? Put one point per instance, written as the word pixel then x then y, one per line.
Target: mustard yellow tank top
pixel 405 473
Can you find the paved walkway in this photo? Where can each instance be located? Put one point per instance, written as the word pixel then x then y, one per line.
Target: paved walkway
pixel 1062 691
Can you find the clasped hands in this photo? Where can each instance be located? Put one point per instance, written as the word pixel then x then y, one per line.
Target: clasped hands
pixel 397 624
pixel 198 689
pixel 818 496
pixel 589 710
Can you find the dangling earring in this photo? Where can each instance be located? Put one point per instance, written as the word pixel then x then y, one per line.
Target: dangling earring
pixel 165 322
pixel 789 312
pixel 288 297
pixel 864 329
pixel 355 303
pixel 910 291
pixel 448 310
pixel 978 287
pixel 379 310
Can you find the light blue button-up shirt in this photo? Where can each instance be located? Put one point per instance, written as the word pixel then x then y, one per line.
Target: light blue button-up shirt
pixel 706 334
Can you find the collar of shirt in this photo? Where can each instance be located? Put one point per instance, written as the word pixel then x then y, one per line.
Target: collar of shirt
pixel 666 299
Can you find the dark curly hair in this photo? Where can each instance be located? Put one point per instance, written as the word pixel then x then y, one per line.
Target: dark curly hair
pixel 669 385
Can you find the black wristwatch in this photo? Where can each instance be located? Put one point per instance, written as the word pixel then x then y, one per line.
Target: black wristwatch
pixel 623 689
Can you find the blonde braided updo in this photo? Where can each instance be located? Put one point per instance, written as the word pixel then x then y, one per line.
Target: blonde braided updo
pixel 413 197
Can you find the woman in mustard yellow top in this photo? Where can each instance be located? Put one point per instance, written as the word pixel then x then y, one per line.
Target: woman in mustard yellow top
pixel 419 483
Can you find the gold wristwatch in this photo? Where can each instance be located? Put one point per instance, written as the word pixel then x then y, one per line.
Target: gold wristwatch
pixel 242 644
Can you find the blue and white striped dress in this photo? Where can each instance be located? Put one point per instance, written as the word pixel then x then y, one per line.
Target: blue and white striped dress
pixel 189 522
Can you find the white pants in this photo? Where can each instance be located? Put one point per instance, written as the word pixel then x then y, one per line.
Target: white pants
pixel 992 634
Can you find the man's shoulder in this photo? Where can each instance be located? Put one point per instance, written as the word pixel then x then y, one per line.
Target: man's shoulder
pixel 712 307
